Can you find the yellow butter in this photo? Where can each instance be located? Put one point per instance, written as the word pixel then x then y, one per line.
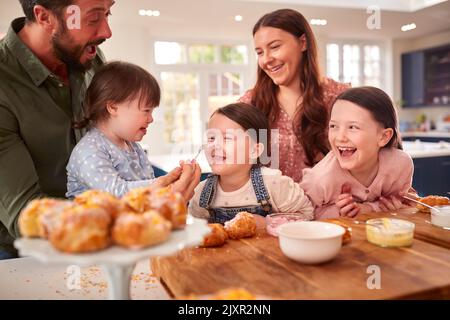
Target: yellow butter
pixel 387 232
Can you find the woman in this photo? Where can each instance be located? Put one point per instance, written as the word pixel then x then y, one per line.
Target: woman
pixel 290 90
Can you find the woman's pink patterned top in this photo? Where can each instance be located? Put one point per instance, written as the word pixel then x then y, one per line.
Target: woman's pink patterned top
pixel 292 156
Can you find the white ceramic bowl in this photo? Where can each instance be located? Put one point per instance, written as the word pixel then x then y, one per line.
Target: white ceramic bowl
pixel 310 242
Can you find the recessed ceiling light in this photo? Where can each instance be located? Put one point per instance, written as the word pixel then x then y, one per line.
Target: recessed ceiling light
pixel 149 13
pixel 318 22
pixel 238 18
pixel 408 27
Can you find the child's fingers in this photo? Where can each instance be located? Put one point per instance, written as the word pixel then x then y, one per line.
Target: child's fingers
pixel 387 204
pixel 344 196
pixel 382 206
pixel 194 181
pixel 397 202
pixel 344 202
pixel 166 180
pixel 354 212
pixel 346 188
pixel 188 180
pixel 347 209
pixel 392 203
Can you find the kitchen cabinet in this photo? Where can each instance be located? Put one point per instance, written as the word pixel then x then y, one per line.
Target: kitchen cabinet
pixel 426 77
pixel 413 79
pixel 432 175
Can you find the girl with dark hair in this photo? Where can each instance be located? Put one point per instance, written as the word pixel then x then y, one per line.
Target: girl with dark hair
pixel 290 90
pixel 236 140
pixel 118 109
pixel 366 171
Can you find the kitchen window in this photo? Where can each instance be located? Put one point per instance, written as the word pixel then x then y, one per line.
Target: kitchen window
pixel 196 79
pixel 355 62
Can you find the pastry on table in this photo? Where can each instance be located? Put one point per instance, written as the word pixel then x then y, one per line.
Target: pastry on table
pixel 243 225
pixel 217 237
pixel 432 201
pixel 171 205
pixel 139 230
pixel 79 229
pixel 30 217
pixel 138 199
pixel 347 237
pixel 102 199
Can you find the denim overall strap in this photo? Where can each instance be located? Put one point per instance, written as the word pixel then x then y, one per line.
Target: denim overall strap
pixel 221 215
pixel 260 189
pixel 208 191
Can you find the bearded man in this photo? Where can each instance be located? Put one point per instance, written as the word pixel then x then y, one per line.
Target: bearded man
pixel 47 61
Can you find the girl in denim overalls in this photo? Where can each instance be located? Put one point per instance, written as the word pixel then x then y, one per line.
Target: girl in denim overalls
pixel 238 181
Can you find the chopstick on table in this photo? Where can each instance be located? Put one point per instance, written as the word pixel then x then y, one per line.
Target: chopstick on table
pixel 421 203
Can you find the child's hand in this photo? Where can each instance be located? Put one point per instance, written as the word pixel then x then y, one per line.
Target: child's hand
pixel 346 204
pixel 168 179
pixel 411 194
pixel 189 179
pixel 392 203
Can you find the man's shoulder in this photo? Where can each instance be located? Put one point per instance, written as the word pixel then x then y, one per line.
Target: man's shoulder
pixel 9 67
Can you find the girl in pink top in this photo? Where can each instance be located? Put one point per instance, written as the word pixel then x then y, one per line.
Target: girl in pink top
pixel 366 170
pixel 290 89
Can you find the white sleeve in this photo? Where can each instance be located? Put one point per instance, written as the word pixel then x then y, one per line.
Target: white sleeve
pixel 288 196
pixel 194 205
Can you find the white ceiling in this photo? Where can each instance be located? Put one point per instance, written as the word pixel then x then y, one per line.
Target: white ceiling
pixel 387 5
pixel 196 16
pixel 203 18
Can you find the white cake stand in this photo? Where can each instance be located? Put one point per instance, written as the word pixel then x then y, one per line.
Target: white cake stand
pixel 116 261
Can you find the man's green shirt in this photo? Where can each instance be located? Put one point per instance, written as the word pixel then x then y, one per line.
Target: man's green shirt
pixel 37 112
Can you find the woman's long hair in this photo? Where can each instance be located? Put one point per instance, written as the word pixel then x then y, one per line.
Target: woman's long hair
pixel 311 118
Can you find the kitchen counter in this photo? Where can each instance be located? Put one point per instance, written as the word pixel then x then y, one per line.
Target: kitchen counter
pixel 26 278
pixel 430 134
pixel 419 149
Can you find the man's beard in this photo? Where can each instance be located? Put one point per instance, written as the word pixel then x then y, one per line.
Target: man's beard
pixel 71 56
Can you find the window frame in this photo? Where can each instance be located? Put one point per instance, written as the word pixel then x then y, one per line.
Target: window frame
pixel 360 44
pixel 203 70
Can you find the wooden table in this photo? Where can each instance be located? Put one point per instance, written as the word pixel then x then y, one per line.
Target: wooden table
pixel 257 264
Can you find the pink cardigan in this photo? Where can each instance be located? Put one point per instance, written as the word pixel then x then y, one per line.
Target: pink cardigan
pixel 323 183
